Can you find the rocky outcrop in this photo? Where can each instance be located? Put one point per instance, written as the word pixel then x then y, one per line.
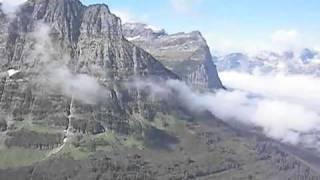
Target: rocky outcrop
pixel 3 125
pixel 29 139
pixel 186 54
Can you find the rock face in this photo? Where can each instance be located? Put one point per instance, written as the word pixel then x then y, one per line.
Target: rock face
pixel 52 38
pixel 186 54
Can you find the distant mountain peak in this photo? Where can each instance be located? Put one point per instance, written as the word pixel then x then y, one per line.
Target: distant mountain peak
pixel 143 26
pixel 186 54
pixel 295 61
pixel 142 31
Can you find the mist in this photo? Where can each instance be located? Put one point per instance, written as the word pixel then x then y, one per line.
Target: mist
pixel 10 6
pixel 283 106
pixel 78 86
pixel 295 88
pixel 55 74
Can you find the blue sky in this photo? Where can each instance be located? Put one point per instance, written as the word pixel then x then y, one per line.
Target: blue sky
pixel 230 25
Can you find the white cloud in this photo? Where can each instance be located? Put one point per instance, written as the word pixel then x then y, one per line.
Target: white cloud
pixel 285 39
pixel 278 41
pixel 125 15
pixel 10 5
pixel 220 44
pixel 82 87
pixel 284 106
pixel 129 17
pixel 183 6
pixel 284 36
pixel 287 104
pixel 300 89
pixel 56 76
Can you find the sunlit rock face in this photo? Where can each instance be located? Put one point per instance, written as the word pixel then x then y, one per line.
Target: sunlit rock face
pixel 186 54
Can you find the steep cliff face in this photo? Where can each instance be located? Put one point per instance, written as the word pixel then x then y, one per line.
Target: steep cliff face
pixel 51 44
pixel 186 54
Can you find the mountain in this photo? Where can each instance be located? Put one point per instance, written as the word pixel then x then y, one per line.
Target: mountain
pixel 233 61
pixel 303 61
pixel 86 40
pixel 68 66
pixel 307 55
pixel 77 103
pixel 186 54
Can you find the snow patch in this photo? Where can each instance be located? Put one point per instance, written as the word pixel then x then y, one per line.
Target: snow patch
pixel 154 28
pixel 133 38
pixel 12 72
pixel 141 26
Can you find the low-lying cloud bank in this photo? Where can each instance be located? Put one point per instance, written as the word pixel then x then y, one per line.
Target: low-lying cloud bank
pixel 284 106
pixel 295 88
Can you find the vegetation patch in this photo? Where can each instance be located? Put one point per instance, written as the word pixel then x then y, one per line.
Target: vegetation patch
pixel 17 157
pixel 40 128
pixel 77 153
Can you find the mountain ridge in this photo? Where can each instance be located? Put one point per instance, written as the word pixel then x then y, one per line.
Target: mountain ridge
pixel 186 54
pixel 303 61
